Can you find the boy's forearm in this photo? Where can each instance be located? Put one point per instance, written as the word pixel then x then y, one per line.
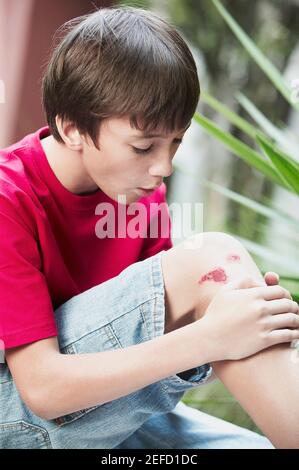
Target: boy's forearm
pixel 79 381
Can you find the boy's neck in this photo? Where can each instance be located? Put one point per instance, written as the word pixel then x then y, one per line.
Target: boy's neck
pixel 68 167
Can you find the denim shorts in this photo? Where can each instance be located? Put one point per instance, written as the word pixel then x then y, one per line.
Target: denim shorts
pixel 125 310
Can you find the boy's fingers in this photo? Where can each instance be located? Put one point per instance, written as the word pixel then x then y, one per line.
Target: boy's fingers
pixel 282 306
pixel 273 292
pixel 271 278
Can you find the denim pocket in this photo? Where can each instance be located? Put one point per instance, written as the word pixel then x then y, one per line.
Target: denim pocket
pixel 23 435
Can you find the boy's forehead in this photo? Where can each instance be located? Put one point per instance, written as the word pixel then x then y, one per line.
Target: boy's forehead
pixel 121 126
pixel 157 133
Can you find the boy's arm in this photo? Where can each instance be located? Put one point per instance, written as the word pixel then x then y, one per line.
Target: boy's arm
pixel 54 384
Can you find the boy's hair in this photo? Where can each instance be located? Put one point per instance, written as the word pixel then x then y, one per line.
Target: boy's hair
pixel 120 61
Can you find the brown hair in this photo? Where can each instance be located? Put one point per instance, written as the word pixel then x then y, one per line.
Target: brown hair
pixel 120 61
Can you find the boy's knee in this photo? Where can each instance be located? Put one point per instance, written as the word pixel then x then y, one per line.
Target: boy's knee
pixel 221 239
pixel 210 239
pixel 210 250
pixel 218 259
pixel 194 273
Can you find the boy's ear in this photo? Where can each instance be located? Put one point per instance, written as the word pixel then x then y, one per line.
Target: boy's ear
pixel 70 134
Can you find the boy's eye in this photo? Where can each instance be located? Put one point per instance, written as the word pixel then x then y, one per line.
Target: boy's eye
pixel 138 150
pixel 143 151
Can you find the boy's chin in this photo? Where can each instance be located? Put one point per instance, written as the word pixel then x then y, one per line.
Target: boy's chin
pixel 125 197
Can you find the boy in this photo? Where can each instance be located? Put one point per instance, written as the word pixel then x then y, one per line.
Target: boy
pixel 103 335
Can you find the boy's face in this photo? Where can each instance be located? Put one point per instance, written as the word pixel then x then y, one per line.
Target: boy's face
pixel 119 167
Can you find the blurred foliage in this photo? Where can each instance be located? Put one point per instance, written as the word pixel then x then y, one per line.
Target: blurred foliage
pixel 273 25
pixel 277 155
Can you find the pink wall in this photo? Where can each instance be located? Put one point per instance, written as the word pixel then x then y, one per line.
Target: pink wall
pixel 26 32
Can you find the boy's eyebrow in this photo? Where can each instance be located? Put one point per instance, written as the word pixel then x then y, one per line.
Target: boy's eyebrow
pixel 149 136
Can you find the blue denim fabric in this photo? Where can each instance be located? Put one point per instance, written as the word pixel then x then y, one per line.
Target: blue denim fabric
pixel 125 310
pixel 188 428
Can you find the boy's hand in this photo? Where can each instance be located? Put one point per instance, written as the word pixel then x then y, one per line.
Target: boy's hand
pixel 272 279
pixel 246 316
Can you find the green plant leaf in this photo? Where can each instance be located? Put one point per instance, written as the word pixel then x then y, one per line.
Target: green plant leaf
pixel 242 124
pixel 279 135
pixel 233 117
pixel 263 62
pixel 291 279
pixel 240 149
pixel 288 170
pixel 285 266
pixel 257 207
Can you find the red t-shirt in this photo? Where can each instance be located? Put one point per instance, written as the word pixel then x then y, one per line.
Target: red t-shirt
pixel 49 247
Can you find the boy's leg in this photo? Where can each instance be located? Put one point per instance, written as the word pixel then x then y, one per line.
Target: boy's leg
pixel 268 393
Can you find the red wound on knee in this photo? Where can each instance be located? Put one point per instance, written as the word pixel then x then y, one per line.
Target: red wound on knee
pixel 233 257
pixel 217 275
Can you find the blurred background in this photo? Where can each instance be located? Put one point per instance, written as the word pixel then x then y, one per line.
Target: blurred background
pixel 239 158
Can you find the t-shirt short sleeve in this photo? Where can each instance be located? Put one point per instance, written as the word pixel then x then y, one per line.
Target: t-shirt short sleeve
pixel 26 311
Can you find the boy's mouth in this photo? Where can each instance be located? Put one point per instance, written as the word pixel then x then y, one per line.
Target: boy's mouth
pixel 145 191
